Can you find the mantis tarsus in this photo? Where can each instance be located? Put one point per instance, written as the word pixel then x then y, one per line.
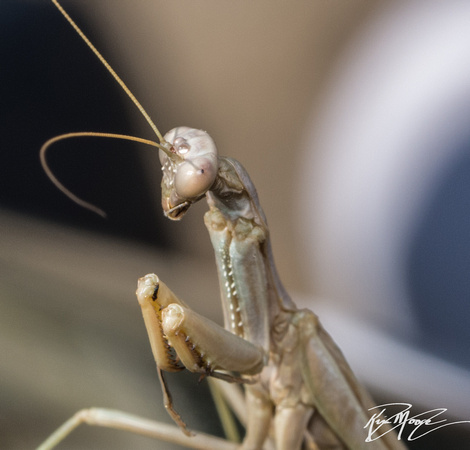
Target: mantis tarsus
pixel 299 390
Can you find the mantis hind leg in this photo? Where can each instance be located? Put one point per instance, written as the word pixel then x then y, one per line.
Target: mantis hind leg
pixel 259 416
pixel 290 425
pixel 110 418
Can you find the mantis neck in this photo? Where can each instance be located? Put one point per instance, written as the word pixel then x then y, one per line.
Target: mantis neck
pixel 252 294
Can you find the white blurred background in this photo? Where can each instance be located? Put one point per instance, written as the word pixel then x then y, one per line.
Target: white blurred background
pixel 350 118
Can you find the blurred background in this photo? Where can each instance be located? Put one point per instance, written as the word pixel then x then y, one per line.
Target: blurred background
pixel 351 118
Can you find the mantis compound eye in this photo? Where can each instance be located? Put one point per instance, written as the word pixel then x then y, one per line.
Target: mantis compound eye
pixel 188 171
pixel 194 178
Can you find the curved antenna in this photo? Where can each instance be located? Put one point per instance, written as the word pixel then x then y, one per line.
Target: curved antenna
pixel 163 145
pixel 111 71
pixel 60 186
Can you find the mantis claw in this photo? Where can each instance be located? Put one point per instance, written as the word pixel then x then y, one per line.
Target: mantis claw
pixel 168 402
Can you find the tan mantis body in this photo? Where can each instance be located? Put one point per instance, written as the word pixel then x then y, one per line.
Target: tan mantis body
pixel 305 386
pixel 299 388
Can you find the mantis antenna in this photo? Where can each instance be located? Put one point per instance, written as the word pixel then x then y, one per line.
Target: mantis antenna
pixel 59 185
pixel 162 145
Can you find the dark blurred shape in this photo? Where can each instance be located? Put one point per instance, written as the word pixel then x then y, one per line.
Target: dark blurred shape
pixel 439 264
pixel 51 83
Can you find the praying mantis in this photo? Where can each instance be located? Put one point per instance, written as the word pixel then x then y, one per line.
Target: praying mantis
pixel 299 391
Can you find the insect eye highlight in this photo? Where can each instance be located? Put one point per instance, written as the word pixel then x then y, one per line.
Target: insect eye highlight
pixel 181 145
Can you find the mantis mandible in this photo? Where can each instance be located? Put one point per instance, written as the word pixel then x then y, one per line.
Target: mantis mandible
pixel 299 389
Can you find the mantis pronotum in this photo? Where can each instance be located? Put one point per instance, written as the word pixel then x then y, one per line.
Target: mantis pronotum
pixel 299 390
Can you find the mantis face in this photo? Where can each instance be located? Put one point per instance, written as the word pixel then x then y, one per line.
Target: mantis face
pixel 189 169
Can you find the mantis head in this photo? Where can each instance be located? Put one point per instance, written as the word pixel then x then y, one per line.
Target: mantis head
pixel 189 165
pixel 188 156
